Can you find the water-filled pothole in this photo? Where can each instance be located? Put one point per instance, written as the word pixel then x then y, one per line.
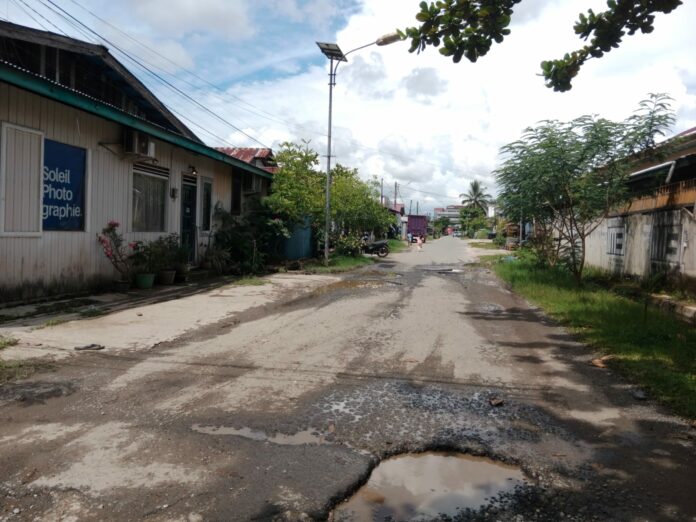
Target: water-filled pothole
pixel 425 485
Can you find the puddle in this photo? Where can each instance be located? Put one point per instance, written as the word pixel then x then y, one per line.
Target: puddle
pixel 296 439
pixel 490 307
pixel 35 391
pixel 423 486
pixel 443 269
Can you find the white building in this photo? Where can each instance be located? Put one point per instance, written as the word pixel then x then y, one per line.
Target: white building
pixel 82 142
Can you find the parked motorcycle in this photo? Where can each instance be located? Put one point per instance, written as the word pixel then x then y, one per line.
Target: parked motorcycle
pixel 379 248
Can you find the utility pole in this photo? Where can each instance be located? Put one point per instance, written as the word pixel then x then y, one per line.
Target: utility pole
pixel 381 193
pixel 417 213
pixel 394 203
pixel 410 205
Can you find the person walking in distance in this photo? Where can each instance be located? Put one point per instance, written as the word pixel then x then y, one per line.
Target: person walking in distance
pixel 419 243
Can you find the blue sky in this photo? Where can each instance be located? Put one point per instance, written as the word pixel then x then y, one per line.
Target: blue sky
pixel 417 119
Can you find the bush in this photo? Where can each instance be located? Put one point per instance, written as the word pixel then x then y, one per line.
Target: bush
pixel 348 246
pixel 247 240
pixel 168 253
pixel 481 234
pixel 499 240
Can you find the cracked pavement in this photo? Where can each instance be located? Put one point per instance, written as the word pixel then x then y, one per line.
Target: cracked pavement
pixel 280 411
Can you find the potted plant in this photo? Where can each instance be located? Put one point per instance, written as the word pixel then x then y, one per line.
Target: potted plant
pixel 165 254
pixel 116 251
pixel 144 265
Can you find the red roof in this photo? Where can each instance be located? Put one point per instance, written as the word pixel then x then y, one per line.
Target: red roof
pixel 251 154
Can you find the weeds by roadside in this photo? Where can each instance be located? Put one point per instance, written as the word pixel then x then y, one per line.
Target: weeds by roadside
pixel 483 245
pixel 251 281
pixel 53 322
pixel 7 341
pixel 337 264
pixel 655 350
pixel 397 245
pixel 13 370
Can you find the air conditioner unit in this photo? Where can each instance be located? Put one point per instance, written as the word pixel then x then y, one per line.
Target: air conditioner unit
pixel 138 143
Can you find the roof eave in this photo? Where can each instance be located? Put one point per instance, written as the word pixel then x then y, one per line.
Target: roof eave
pixel 42 87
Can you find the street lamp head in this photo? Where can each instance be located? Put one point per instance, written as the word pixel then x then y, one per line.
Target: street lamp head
pixel 332 51
pixel 389 38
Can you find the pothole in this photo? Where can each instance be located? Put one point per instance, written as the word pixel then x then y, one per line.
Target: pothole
pixel 427 485
pixel 36 391
pixel 490 307
pixel 296 439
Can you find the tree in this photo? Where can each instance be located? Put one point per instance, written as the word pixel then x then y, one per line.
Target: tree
pixel 476 196
pixel 297 191
pixel 468 28
pixel 568 176
pixel 355 206
pixel 473 218
pixel 441 223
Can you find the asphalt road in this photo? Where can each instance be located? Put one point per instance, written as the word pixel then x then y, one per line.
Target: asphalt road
pixel 282 411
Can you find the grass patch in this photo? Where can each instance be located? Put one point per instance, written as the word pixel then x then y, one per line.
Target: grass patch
pixel 487 246
pixel 7 341
pixel 337 264
pixel 251 281
pixel 658 352
pixel 397 245
pixel 12 370
pixel 53 322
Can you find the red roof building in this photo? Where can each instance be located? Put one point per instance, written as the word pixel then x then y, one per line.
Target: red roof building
pixel 259 157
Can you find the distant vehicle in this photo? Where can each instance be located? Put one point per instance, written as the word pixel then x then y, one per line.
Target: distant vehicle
pixel 417 226
pixel 457 233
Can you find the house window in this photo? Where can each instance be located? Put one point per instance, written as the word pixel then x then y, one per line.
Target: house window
pixel 236 207
pixel 150 187
pixel 206 205
pixel 21 186
pixel 616 240
pixel 665 243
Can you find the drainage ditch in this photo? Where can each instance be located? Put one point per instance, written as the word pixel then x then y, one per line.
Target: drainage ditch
pixel 428 485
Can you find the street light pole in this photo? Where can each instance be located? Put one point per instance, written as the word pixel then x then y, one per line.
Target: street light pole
pixel 327 209
pixel 335 55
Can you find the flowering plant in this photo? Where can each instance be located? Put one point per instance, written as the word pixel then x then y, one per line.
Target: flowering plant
pixel 142 258
pixel 115 249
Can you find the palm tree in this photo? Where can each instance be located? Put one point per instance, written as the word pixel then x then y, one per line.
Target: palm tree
pixel 476 196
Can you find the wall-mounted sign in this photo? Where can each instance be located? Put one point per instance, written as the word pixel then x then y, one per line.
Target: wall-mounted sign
pixel 63 186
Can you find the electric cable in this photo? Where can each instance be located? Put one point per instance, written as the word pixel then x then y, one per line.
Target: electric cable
pixel 157 76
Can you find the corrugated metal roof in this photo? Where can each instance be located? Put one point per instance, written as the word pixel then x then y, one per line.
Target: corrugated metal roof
pixel 32 82
pixel 251 154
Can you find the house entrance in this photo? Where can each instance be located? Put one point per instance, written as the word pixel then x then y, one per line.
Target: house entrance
pixel 188 216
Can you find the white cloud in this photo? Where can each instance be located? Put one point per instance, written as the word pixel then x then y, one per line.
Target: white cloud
pixel 419 119
pixel 228 18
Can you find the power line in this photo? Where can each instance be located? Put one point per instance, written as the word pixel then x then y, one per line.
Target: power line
pixel 19 6
pixel 148 67
pixel 44 18
pixel 154 74
pixel 429 193
pixel 258 112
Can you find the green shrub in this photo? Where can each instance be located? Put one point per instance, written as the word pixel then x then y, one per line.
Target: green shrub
pixel 481 234
pixel 348 246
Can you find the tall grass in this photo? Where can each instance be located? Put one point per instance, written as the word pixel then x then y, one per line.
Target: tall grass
pixel 338 264
pixel 655 350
